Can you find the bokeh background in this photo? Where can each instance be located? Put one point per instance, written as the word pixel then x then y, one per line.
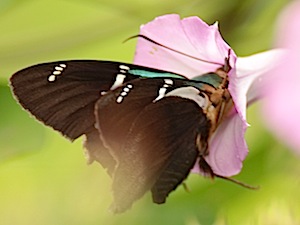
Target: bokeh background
pixel 44 178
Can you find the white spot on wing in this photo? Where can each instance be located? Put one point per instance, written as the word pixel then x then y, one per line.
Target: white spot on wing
pixel 58 68
pixel 124 93
pixel 123 67
pixel 163 89
pixel 51 78
pixel 169 81
pixel 191 93
pixel 119 99
pixel 118 82
pixel 56 72
pixel 120 77
pixel 161 93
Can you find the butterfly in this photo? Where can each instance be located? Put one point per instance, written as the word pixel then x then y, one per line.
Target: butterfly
pixel 146 127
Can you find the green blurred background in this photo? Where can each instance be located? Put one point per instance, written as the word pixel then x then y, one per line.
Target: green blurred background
pixel 44 178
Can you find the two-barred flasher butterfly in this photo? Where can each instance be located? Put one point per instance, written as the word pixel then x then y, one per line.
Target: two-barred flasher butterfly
pixel 145 126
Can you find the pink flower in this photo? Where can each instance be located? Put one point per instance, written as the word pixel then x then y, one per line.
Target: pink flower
pixel 282 105
pixel 192 36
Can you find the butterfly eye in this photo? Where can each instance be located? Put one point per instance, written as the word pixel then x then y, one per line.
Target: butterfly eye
pixel 202 94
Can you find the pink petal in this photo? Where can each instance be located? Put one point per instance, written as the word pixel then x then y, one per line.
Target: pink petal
pixel 282 106
pixel 288 27
pixel 249 82
pixel 227 147
pixel 191 36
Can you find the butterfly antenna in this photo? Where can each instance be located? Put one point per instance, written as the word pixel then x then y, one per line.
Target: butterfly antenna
pixel 174 50
pixel 238 182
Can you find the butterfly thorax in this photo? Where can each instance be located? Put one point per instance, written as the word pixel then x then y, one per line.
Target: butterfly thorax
pixel 218 101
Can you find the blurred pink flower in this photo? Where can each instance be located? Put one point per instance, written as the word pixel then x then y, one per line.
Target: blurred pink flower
pixel 282 103
pixel 192 36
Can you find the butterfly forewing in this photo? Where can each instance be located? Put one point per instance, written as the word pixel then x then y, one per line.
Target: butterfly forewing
pixel 63 94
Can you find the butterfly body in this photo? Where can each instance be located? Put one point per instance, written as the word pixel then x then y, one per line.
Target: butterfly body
pixel 147 127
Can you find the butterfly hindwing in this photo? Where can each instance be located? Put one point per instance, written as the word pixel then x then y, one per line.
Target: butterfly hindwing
pixel 152 138
pixel 185 123
pixel 96 151
pixel 116 111
pixel 114 117
pixel 159 152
